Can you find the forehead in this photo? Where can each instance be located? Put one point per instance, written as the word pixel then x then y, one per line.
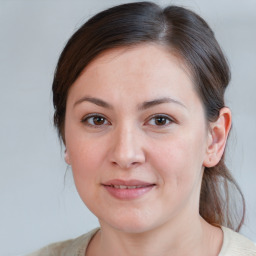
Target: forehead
pixel 141 58
pixel 141 72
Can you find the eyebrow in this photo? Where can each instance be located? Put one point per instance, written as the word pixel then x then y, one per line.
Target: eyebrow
pixel 148 104
pixel 96 101
pixel 145 105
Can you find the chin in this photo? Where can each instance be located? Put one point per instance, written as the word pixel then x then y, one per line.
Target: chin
pixel 133 223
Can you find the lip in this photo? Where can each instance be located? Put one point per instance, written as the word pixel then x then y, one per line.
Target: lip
pixel 118 182
pixel 127 193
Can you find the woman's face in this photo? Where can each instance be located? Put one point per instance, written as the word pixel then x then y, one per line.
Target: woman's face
pixel 136 138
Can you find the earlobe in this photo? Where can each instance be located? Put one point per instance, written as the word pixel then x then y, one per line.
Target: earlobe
pixel 66 157
pixel 218 135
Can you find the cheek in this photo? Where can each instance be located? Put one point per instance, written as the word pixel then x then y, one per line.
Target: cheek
pixel 86 156
pixel 178 162
pixel 85 168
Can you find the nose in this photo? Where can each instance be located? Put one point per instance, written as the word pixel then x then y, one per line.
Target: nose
pixel 127 148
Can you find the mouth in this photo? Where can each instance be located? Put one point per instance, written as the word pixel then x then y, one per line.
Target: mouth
pixel 129 187
pixel 128 190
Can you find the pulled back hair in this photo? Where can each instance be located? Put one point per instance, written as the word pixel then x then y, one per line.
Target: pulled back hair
pixel 187 35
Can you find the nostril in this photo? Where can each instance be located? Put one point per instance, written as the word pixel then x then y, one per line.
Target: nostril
pixel 127 157
pixel 126 165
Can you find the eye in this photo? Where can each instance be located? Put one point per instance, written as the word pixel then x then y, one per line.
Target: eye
pixel 95 120
pixel 160 120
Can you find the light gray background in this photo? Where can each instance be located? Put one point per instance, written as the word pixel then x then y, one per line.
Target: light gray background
pixel 39 206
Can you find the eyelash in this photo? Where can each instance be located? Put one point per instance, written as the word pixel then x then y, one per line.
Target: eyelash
pixel 85 120
pixel 162 116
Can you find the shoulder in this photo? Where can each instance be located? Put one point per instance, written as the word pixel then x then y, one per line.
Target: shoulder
pixel 72 247
pixel 235 244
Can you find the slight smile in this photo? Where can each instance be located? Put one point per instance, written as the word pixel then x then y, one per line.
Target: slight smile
pixel 127 190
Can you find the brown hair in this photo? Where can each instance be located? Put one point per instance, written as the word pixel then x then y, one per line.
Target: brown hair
pixel 184 33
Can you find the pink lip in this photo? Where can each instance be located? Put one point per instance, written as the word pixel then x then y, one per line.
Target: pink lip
pixel 126 182
pixel 127 193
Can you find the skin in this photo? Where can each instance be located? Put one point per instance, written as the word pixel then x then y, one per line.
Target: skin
pixel 128 142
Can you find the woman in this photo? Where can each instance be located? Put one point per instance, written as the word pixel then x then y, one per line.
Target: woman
pixel 139 104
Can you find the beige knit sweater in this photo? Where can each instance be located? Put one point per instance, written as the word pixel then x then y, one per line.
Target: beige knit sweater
pixel 234 244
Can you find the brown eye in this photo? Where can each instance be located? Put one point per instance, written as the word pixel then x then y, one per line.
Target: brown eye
pixel 95 120
pixel 160 120
pixel 98 120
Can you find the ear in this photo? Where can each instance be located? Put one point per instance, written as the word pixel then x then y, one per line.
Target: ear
pixel 218 134
pixel 66 157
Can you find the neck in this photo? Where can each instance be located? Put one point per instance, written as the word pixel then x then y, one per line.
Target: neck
pixel 193 237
